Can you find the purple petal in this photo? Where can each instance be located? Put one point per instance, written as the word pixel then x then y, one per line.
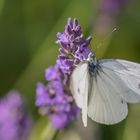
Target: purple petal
pixel 75 23
pixel 68 30
pixel 70 23
pixel 52 73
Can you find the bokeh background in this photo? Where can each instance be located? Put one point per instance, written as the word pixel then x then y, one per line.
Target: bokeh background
pixel 27 46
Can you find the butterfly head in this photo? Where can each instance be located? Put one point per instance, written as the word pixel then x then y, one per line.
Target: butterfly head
pixel 91 58
pixel 93 64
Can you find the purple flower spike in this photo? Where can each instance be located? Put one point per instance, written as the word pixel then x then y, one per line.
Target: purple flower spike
pixel 15 124
pixel 41 94
pixel 55 99
pixel 82 53
pixel 62 38
pixel 75 48
pixel 66 65
pixel 53 73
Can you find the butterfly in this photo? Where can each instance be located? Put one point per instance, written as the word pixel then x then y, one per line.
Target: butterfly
pixel 102 89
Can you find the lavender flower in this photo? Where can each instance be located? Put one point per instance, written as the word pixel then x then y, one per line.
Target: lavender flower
pixel 112 7
pixel 55 99
pixel 53 73
pixel 14 122
pixel 73 46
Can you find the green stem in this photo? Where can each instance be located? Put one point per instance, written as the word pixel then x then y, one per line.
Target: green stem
pixel 56 135
pixel 49 133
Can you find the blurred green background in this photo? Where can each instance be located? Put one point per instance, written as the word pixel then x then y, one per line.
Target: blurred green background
pixel 27 46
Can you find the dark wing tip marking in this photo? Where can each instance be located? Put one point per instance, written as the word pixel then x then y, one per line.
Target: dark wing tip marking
pixel 122 101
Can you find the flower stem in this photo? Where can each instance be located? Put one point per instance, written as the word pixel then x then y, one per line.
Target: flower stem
pixel 49 133
pixel 56 135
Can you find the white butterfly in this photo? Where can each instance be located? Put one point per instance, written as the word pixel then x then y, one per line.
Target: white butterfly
pixel 103 88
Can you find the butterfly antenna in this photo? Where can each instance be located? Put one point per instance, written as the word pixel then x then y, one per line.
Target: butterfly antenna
pixel 108 36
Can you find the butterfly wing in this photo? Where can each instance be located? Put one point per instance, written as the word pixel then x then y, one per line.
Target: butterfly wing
pixel 105 104
pixel 128 76
pixel 79 87
pixel 116 84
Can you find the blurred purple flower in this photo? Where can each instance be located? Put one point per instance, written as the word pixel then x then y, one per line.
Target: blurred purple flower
pixel 53 73
pixel 112 6
pixel 55 99
pixel 108 13
pixel 14 122
pixel 59 121
pixel 47 95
